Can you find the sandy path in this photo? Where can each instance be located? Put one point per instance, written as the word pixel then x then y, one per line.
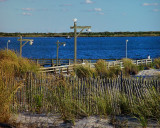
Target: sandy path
pixel 150 72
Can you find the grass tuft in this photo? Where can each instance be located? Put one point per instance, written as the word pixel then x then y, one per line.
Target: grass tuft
pixel 12 73
pixel 157 63
pixel 129 67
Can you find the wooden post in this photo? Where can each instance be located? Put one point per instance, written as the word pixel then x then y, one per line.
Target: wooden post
pixel 136 62
pixel 146 61
pixel 67 70
pixel 55 70
pixel 37 61
pixel 121 65
pixel 69 62
pixel 52 62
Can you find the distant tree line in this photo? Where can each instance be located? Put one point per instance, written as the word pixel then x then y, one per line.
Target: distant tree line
pixel 84 34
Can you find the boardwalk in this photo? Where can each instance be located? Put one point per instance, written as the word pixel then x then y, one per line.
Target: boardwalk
pixel 66 69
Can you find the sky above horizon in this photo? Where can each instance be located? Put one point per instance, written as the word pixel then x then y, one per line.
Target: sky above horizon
pixel 57 15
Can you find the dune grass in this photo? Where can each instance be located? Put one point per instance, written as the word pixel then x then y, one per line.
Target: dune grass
pixel 6 96
pixel 11 64
pixel 100 70
pixel 129 67
pixel 84 71
pixel 70 98
pixel 157 63
pixel 11 67
pixel 94 100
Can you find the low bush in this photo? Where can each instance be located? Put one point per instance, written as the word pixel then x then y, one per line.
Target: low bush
pixel 101 68
pixel 129 67
pixel 141 67
pixel 11 64
pixel 84 71
pixel 114 71
pixel 157 63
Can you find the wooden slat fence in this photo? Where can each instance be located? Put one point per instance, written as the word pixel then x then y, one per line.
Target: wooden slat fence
pixel 42 93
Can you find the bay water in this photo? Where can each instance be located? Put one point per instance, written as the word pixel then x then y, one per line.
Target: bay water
pixel 87 47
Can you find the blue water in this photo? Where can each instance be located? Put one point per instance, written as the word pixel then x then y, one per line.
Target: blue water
pixel 87 47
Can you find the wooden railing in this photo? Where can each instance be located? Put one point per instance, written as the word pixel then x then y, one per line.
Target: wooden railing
pixel 52 62
pixel 66 69
pixel 58 69
pixel 136 62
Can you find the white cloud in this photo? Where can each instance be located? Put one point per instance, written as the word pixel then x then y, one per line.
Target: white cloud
pixel 88 2
pixel 27 9
pixel 150 4
pixel 97 9
pixel 26 14
pixel 156 10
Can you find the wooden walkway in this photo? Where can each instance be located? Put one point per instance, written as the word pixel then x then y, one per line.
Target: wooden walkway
pixel 66 69
pixel 52 62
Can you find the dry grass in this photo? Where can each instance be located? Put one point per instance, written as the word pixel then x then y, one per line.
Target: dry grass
pixel 157 63
pixel 104 72
pixel 7 91
pixel 101 68
pixel 129 67
pixel 11 64
pixel 84 71
pixel 11 67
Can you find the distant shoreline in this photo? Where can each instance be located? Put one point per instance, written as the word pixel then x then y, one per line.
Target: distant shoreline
pixel 85 34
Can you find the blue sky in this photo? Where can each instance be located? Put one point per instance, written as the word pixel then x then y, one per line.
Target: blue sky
pixel 57 15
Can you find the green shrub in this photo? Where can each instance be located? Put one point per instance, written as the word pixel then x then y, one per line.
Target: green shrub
pixel 157 63
pixel 38 102
pixel 104 72
pixel 114 71
pixel 101 68
pixel 84 71
pixel 10 55
pixel 141 67
pixel 129 67
pixel 149 66
pixel 11 64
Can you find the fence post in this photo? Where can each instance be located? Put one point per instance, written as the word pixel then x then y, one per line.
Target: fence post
pixel 121 79
pixel 52 62
pixel 59 63
pixel 67 70
pixel 136 62
pixel 69 62
pixel 55 70
pixel 121 65
pixel 37 61
pixel 146 61
pixel 90 64
pixel 108 65
pixel 113 63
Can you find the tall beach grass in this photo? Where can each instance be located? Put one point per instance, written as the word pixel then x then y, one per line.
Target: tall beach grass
pixel 12 73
